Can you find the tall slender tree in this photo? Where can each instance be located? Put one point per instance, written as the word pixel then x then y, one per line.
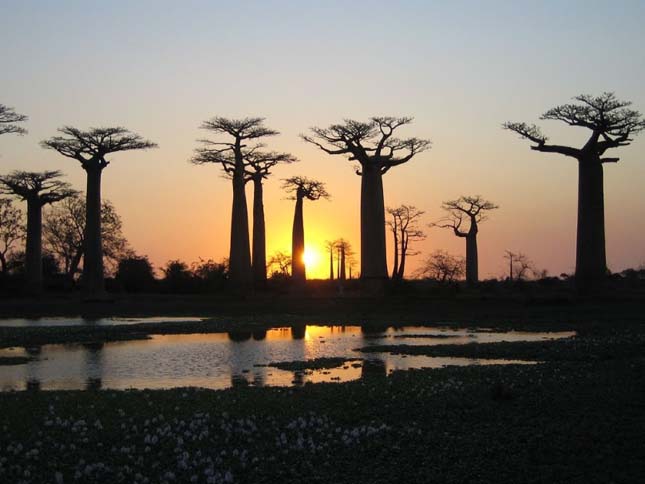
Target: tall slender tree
pixel 301 188
pixel 345 253
pixel 612 124
pixel 330 245
pixel 8 119
pixel 90 149
pixel 258 167
pixel 373 146
pixel 404 227
pixel 37 189
pixel 474 209
pixel 232 155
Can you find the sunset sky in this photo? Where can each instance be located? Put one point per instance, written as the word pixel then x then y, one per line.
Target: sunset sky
pixel 459 68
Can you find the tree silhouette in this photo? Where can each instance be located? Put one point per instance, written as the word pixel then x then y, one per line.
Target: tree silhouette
pixel 11 230
pixel 330 245
pixel 612 124
pixel 373 146
pixel 473 208
pixel 404 228
pixel 279 265
pixel 64 234
pixel 442 267
pixel 37 189
pixel 90 148
pixel 345 253
pixel 520 266
pixel 232 155
pixel 8 120
pixel 301 188
pixel 258 167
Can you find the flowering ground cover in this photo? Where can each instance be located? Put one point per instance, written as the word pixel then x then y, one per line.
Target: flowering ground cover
pixel 577 419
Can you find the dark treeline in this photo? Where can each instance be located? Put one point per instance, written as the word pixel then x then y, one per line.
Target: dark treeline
pixel 77 245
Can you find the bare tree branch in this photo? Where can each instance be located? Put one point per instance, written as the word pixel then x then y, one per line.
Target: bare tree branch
pixel 8 120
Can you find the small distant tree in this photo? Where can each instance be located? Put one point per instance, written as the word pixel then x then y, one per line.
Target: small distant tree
pixel 301 188
pixel 12 231
pixel 211 275
pixel 279 265
pixel 612 124
pixel 330 245
pixel 473 209
pixel 135 274
pixel 8 120
pixel 520 266
pixel 178 277
pixel 90 149
pixel 403 224
pixel 442 267
pixel 373 146
pixel 345 253
pixel 38 190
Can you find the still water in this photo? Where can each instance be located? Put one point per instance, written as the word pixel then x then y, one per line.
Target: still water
pixel 222 360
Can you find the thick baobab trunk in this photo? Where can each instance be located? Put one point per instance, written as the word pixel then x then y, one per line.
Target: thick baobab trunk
pixel 33 248
pixel 373 256
pixel 93 282
pixel 343 273
pixel 331 263
pixel 472 263
pixel 298 244
pixel 591 261
pixel 259 235
pixel 240 251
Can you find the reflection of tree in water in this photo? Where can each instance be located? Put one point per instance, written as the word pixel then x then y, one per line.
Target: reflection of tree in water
pixel 239 380
pixel 298 331
pixel 370 331
pixel 33 350
pixel 298 378
pixel 33 385
pixel 259 377
pixel 90 320
pixel 239 336
pixel 94 365
pixel 259 334
pixel 373 368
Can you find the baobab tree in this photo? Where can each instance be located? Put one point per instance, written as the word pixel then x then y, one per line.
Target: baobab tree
pixel 90 149
pixel 301 188
pixel 8 119
pixel 474 209
pixel 345 253
pixel 612 125
pixel 373 146
pixel 232 156
pixel 11 230
pixel 404 227
pixel 38 190
pixel 258 167
pixel 330 245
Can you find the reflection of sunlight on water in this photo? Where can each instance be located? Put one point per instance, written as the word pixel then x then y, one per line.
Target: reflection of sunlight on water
pixel 222 360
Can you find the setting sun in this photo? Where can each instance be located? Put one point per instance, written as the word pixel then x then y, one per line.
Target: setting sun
pixel 310 258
